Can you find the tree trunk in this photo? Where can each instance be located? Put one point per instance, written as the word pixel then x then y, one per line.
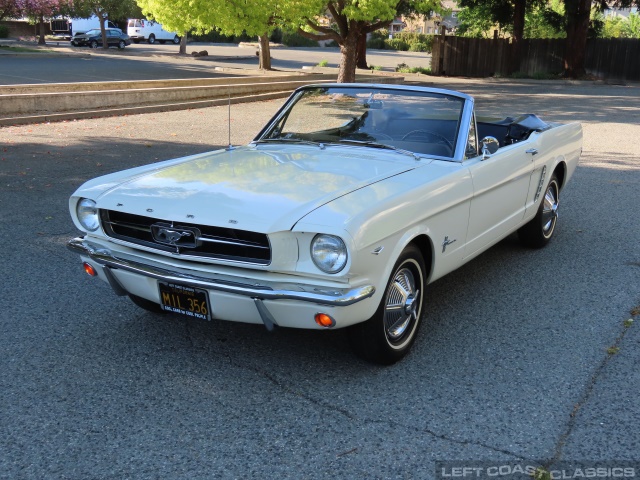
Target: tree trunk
pixel 41 39
pixel 361 52
pixel 264 52
pixel 519 8
pixel 103 31
pixel 183 44
pixel 577 14
pixel 348 51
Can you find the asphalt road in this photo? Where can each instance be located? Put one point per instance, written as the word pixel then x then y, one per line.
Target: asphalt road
pixel 149 62
pixel 511 365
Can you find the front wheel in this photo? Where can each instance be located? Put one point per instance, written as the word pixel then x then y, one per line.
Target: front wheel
pixel 176 40
pixel 388 336
pixel 539 230
pixel 93 44
pixel 121 44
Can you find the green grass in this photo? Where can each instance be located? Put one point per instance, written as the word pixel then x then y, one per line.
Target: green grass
pixel 323 63
pixel 24 49
pixel 404 68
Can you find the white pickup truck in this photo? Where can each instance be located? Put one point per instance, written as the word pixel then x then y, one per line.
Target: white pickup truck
pixel 68 27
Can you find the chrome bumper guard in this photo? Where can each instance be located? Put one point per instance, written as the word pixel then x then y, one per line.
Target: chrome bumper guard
pixel 259 292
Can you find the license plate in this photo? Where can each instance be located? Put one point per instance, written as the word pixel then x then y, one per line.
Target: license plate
pixel 184 300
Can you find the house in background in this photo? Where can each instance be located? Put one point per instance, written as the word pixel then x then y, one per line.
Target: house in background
pixel 398 25
pixel 620 12
pixel 431 25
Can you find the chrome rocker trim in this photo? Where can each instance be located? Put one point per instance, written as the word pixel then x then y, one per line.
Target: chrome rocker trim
pixel 104 257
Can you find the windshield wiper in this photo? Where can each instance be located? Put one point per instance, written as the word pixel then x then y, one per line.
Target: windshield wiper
pixel 289 140
pixel 379 145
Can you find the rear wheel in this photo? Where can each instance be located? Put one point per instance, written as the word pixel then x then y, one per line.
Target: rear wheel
pixel 388 336
pixel 146 304
pixel 539 230
pixel 152 39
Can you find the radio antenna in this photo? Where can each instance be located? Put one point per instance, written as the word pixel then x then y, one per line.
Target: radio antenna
pixel 230 147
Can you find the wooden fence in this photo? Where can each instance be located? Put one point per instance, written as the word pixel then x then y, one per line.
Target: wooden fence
pixel 478 57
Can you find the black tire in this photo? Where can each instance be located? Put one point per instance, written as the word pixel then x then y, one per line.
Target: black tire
pixel 146 304
pixel 93 44
pixel 121 44
pixel 388 336
pixel 176 40
pixel 151 39
pixel 538 232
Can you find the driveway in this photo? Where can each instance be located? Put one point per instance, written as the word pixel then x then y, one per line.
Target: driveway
pixel 524 355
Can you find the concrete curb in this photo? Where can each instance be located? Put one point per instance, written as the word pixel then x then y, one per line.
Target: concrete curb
pixel 112 112
pixel 166 95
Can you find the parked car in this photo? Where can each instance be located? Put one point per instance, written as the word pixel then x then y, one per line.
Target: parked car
pixel 143 30
pixel 340 212
pixel 93 38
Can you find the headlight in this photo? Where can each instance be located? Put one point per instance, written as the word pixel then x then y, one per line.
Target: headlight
pixel 329 253
pixel 88 214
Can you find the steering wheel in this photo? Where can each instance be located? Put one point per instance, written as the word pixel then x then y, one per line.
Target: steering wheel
pixel 380 135
pixel 438 138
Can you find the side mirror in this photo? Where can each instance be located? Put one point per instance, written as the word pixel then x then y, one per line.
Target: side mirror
pixel 490 145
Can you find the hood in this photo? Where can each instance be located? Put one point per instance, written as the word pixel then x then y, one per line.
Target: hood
pixel 263 189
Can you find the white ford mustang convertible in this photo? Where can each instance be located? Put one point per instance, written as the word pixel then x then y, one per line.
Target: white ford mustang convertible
pixel 338 214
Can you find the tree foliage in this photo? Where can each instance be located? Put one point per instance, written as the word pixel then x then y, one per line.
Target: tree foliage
pixel 229 17
pixel 352 20
pixel 478 22
pixel 545 21
pixel 8 9
pixel 39 10
pixel 631 28
pixel 614 26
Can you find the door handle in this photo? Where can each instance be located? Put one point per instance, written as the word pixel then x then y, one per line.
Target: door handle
pixel 532 151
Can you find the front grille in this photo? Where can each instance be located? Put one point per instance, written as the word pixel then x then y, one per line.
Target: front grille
pixel 190 239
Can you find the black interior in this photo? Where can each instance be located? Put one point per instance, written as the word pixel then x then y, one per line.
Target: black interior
pixel 511 130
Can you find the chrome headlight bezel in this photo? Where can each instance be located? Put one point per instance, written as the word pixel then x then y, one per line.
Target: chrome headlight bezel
pixel 329 253
pixel 87 214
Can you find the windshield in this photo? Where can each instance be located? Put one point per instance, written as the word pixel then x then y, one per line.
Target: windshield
pixel 93 32
pixel 420 122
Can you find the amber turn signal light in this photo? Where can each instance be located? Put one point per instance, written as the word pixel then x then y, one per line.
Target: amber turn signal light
pixel 325 320
pixel 89 269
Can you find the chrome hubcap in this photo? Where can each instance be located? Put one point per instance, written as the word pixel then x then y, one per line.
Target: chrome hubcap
pixel 550 209
pixel 401 307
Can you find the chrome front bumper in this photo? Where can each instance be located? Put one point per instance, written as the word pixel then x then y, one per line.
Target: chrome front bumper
pixel 257 291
